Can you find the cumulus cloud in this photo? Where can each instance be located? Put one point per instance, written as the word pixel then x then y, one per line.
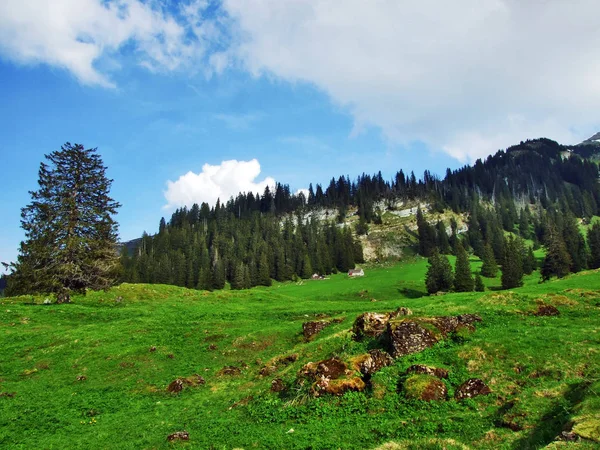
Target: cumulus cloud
pixel 216 182
pixel 451 74
pixel 75 34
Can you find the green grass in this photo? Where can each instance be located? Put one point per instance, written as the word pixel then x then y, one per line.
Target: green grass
pixel 543 371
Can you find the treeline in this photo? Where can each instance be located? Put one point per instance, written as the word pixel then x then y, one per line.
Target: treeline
pixel 535 171
pixel 204 248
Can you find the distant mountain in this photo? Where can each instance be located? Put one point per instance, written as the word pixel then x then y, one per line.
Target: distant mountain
pixel 594 140
pixel 590 148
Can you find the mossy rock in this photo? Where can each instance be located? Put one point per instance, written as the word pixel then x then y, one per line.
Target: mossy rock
pixel 588 427
pixel 409 336
pixel 425 387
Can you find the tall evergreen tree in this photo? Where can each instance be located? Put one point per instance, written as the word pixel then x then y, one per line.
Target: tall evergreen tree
pixel 593 239
pixel 489 267
pixel 575 244
pixel 529 261
pixel 479 286
pixel 70 235
pixel 427 241
pixel 439 273
pixel 512 266
pixel 557 261
pixel 463 279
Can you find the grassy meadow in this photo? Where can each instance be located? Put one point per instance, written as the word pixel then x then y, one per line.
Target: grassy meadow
pixel 94 374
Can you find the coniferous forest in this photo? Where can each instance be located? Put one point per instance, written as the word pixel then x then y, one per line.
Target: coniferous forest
pixel 536 191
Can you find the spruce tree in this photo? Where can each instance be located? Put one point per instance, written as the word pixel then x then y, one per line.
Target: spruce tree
pixel 427 240
pixel 557 261
pixel 489 267
pixel 593 239
pixel 463 280
pixel 70 236
pixel 439 273
pixel 575 244
pixel 529 262
pixel 512 266
pixel 479 286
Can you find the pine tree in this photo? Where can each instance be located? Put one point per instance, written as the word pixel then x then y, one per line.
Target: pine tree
pixel 593 239
pixel 575 244
pixel 439 273
pixel 512 266
pixel 489 267
pixel 427 240
pixel 443 242
pixel 70 235
pixel 463 280
pixel 529 262
pixel 479 286
pixel 557 261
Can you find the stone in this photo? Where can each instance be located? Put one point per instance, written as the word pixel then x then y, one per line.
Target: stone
pixel 369 325
pixel 421 369
pixel 407 336
pixel 425 387
pixel 152 349
pixel 311 329
pixel 473 387
pixel 337 387
pixel 179 436
pixel 546 310
pixel 277 385
pixel 175 386
pixel 331 368
pixel 373 361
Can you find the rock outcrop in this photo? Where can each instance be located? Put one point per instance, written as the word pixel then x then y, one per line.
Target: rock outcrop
pixel 473 387
pixel 425 387
pixel 373 325
pixel 331 376
pixel 372 362
pixel 420 369
pixel 408 336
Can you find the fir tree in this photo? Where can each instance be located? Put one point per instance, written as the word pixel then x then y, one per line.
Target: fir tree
pixel 479 286
pixel 443 241
pixel 529 262
pixel 427 241
pixel 575 244
pixel 463 280
pixel 489 267
pixel 593 239
pixel 512 266
pixel 70 235
pixel 557 261
pixel 439 273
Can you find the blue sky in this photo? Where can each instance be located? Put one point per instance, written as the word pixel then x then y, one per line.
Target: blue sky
pixel 305 90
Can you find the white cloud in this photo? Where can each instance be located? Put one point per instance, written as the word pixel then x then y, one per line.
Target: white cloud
pixel 75 34
pixel 216 182
pixel 451 74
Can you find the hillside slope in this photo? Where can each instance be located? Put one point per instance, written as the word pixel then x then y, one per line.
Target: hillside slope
pixel 96 373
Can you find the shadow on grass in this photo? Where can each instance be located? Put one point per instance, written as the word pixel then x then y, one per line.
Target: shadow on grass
pixel 554 421
pixel 411 293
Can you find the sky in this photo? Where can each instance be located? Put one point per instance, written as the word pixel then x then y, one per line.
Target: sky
pixel 193 100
